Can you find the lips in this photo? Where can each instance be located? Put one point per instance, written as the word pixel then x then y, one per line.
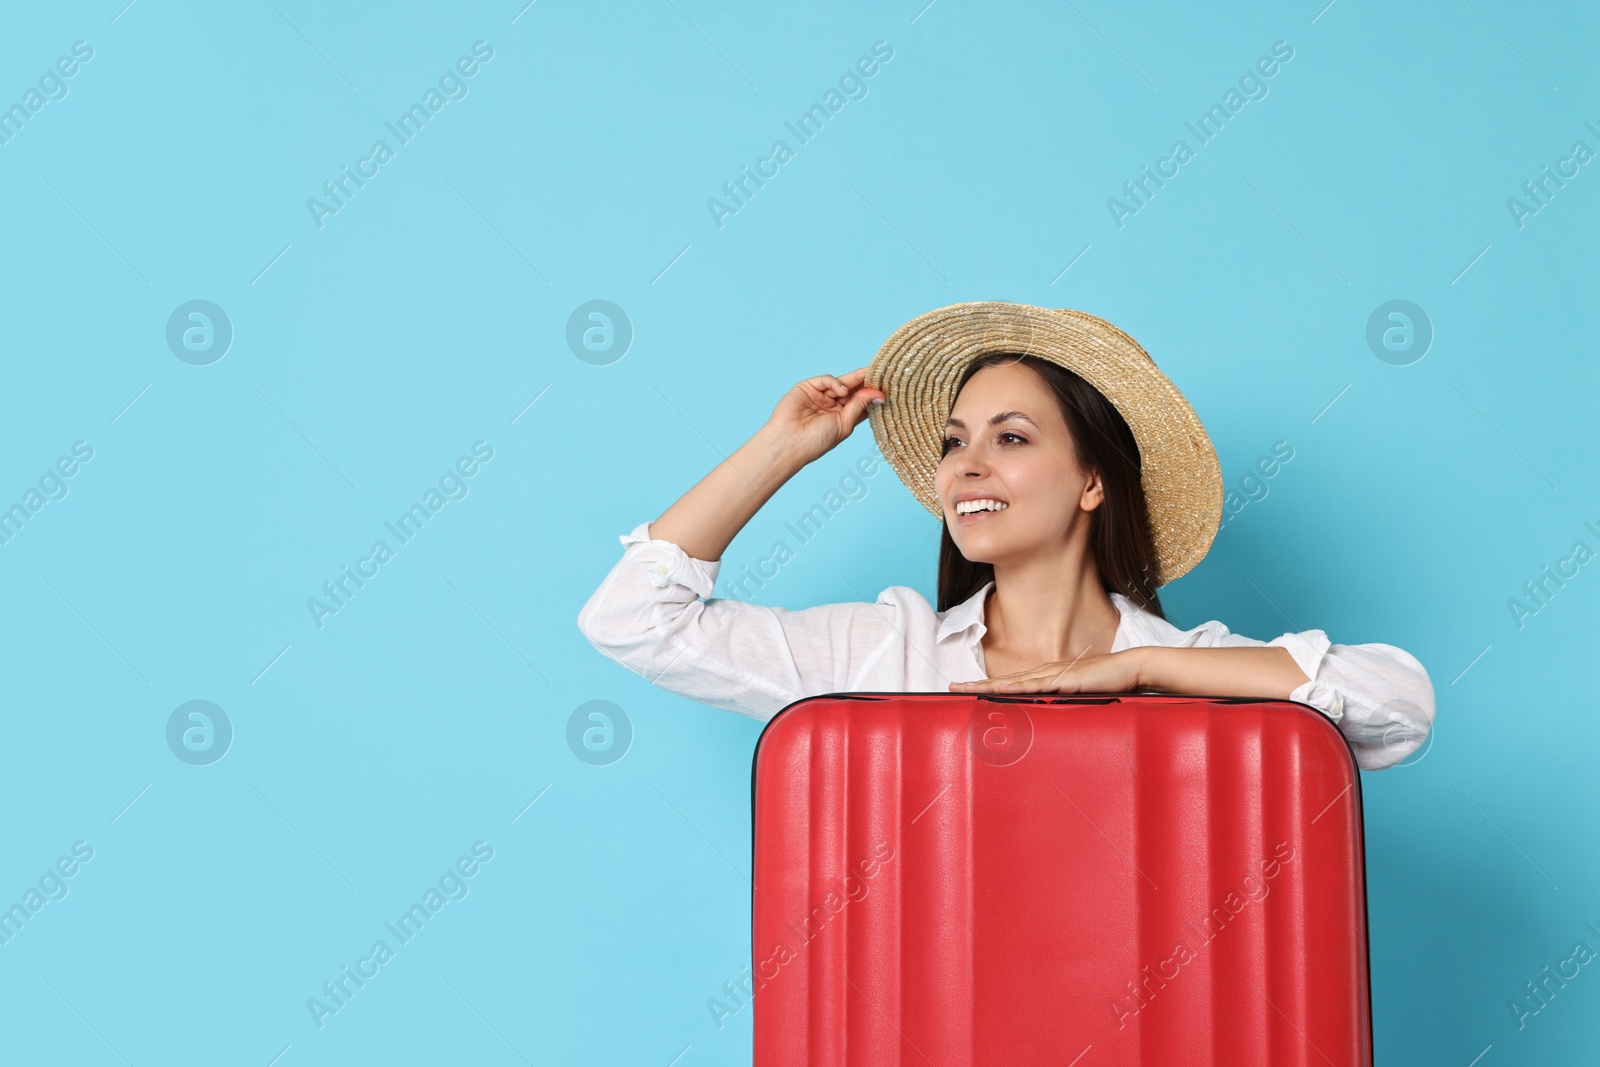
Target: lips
pixel 978 516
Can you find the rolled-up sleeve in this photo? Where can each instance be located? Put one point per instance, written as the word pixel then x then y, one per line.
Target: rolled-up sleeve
pixel 648 615
pixel 1379 696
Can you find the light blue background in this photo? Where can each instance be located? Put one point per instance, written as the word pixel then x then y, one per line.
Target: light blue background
pixel 425 316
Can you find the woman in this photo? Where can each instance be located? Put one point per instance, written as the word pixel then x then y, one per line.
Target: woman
pixel 1072 479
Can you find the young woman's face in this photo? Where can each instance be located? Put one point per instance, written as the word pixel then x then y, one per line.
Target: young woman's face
pixel 1025 461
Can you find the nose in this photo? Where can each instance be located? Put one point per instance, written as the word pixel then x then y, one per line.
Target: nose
pixel 970 462
pixel 965 466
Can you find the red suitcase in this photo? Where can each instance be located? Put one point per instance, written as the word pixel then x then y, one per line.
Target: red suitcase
pixel 1079 881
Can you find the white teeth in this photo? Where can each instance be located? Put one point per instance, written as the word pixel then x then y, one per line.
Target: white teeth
pixel 967 507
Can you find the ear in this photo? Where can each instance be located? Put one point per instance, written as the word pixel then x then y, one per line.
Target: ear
pixel 1094 492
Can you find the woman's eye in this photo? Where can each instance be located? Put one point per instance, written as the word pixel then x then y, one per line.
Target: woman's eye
pixel 951 441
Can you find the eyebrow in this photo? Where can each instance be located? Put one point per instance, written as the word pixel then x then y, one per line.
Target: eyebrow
pixel 996 421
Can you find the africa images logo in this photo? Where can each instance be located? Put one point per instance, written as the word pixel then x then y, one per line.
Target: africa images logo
pixel 852 85
pixel 452 86
pixel 1140 994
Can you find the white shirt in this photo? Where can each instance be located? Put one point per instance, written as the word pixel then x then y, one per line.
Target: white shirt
pixel 648 616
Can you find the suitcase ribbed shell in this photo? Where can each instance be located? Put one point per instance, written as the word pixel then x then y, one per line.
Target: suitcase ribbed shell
pixel 956 879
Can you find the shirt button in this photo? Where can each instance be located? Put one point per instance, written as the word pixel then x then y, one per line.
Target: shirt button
pixel 661 568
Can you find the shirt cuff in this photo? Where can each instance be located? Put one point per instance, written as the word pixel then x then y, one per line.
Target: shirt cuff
pixel 666 563
pixel 1308 649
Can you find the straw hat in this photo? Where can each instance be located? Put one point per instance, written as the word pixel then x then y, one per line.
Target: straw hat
pixel 918 366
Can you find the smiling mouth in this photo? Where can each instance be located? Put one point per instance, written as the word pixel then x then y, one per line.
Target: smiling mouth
pixel 979 516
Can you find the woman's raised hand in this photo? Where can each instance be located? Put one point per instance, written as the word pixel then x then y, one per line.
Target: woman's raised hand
pixel 820 412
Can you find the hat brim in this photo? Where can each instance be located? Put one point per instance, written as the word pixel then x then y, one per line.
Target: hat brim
pixel 918 367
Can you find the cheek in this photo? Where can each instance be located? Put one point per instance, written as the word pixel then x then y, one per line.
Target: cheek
pixel 1046 487
pixel 1036 482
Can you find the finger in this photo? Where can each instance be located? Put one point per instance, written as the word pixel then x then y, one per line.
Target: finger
pixel 856 409
pixel 988 685
pixel 1029 684
pixel 856 396
pixel 1034 680
pixel 981 685
pixel 827 385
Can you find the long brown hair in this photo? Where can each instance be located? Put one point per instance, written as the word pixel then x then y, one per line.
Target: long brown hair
pixel 1119 529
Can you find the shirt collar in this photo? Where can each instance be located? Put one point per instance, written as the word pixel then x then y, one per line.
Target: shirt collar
pixel 965 615
pixel 968 615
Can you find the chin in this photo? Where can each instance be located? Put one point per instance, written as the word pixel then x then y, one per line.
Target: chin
pixel 974 553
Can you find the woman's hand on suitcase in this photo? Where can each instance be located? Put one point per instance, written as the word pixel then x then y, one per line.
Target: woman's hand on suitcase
pixel 1114 672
